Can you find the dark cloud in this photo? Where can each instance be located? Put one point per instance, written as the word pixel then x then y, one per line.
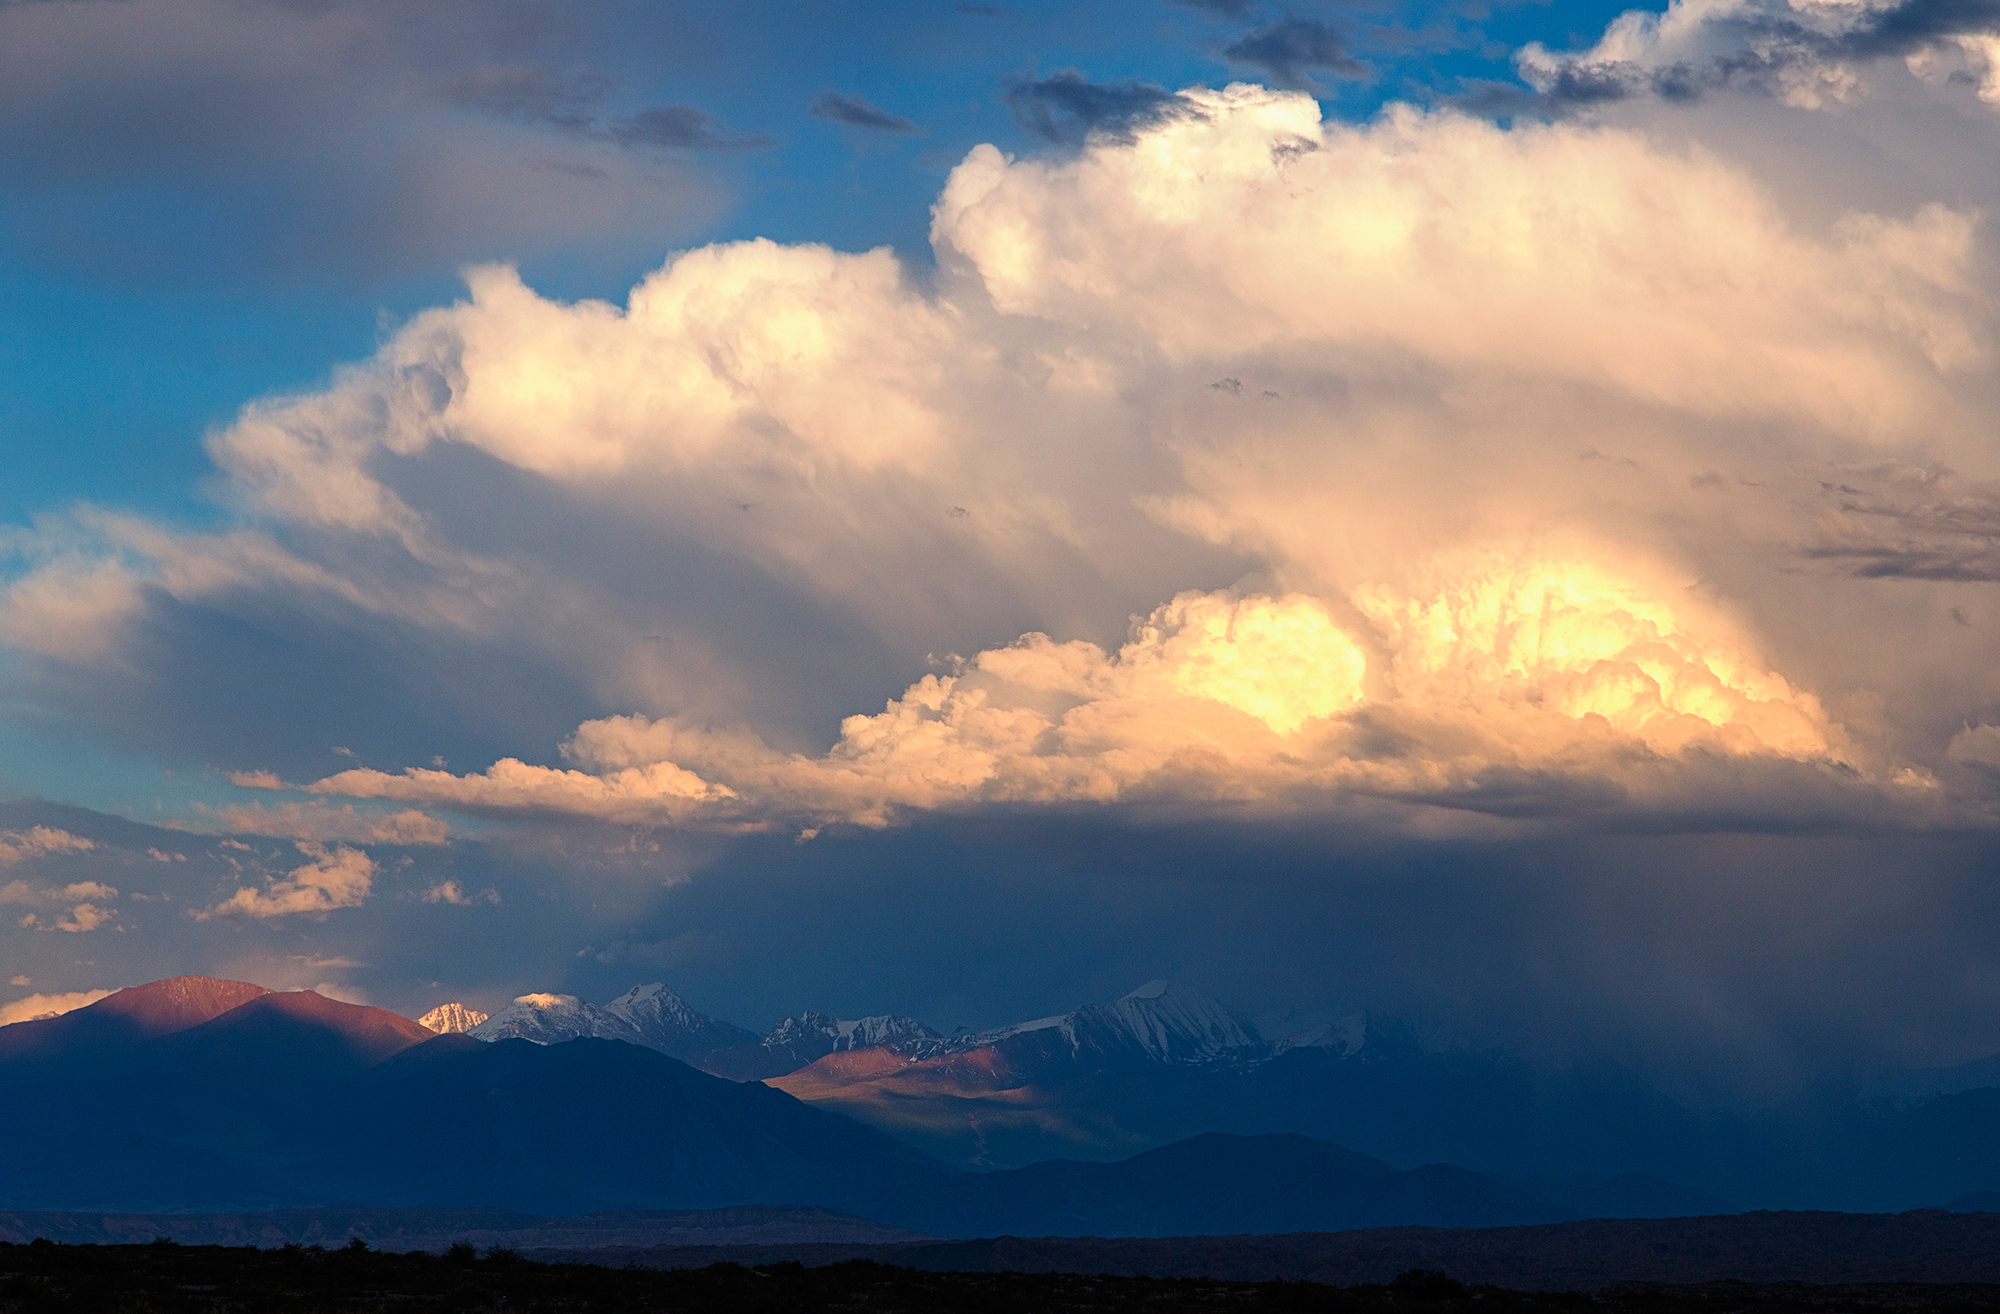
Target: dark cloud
pixel 531 92
pixel 682 127
pixel 337 140
pixel 855 112
pixel 1695 964
pixel 1291 50
pixel 1220 8
pixel 1068 107
pixel 1904 522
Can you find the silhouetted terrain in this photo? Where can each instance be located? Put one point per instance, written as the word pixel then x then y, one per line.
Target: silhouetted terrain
pixel 1925 1245
pixel 169 1279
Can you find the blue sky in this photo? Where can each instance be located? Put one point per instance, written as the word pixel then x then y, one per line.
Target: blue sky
pixel 1483 443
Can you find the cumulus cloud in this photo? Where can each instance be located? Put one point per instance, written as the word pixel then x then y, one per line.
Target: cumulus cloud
pixel 450 892
pixel 18 846
pixel 1384 570
pixel 35 1007
pixel 329 879
pixel 1814 54
pixel 84 914
pixel 1557 671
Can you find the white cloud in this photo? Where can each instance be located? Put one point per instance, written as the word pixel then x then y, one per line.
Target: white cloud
pixel 1551 668
pixel 1809 54
pixel 329 879
pixel 40 1006
pixel 1506 506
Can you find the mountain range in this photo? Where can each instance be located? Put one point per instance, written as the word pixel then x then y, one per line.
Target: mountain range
pixel 1160 1112
pixel 176 1097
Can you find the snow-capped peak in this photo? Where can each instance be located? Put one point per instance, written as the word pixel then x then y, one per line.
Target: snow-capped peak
pixel 451 1019
pixel 550 1019
pixel 663 1021
pixel 1177 1026
pixel 827 1033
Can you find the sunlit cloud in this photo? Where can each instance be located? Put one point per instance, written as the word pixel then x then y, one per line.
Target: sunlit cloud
pixel 41 1006
pixel 328 880
pixel 1427 467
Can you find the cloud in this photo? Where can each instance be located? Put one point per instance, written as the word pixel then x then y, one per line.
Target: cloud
pixel 86 890
pixel 328 880
pixel 1068 107
pixel 682 127
pixel 1553 671
pixel 1976 746
pixel 1291 50
pixel 40 1006
pixel 1904 521
pixel 487 130
pixel 84 917
pixel 449 892
pixel 854 112
pixel 17 846
pixel 254 779
pixel 1373 577
pixel 316 821
pixel 83 896
pixel 1809 56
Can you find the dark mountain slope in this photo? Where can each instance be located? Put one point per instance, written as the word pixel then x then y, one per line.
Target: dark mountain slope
pixel 1211 1185
pixel 110 1027
pixel 582 1125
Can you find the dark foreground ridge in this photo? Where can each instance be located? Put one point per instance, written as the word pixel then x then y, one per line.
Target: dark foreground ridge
pixel 164 1278
pixel 1923 1245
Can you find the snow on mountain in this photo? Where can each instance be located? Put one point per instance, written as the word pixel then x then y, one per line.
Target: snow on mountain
pixel 451 1019
pixel 1343 1035
pixel 551 1019
pixel 1156 1024
pixel 663 1021
pixel 828 1035
pixel 1175 1026
pixel 811 1036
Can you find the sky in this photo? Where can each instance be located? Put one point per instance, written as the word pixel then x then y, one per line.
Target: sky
pixel 1479 514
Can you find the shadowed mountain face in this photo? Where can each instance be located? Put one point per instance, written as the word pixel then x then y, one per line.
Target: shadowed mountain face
pixel 293 1100
pixel 1216 1185
pixel 116 1022
pixel 586 1124
pixel 798 1041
